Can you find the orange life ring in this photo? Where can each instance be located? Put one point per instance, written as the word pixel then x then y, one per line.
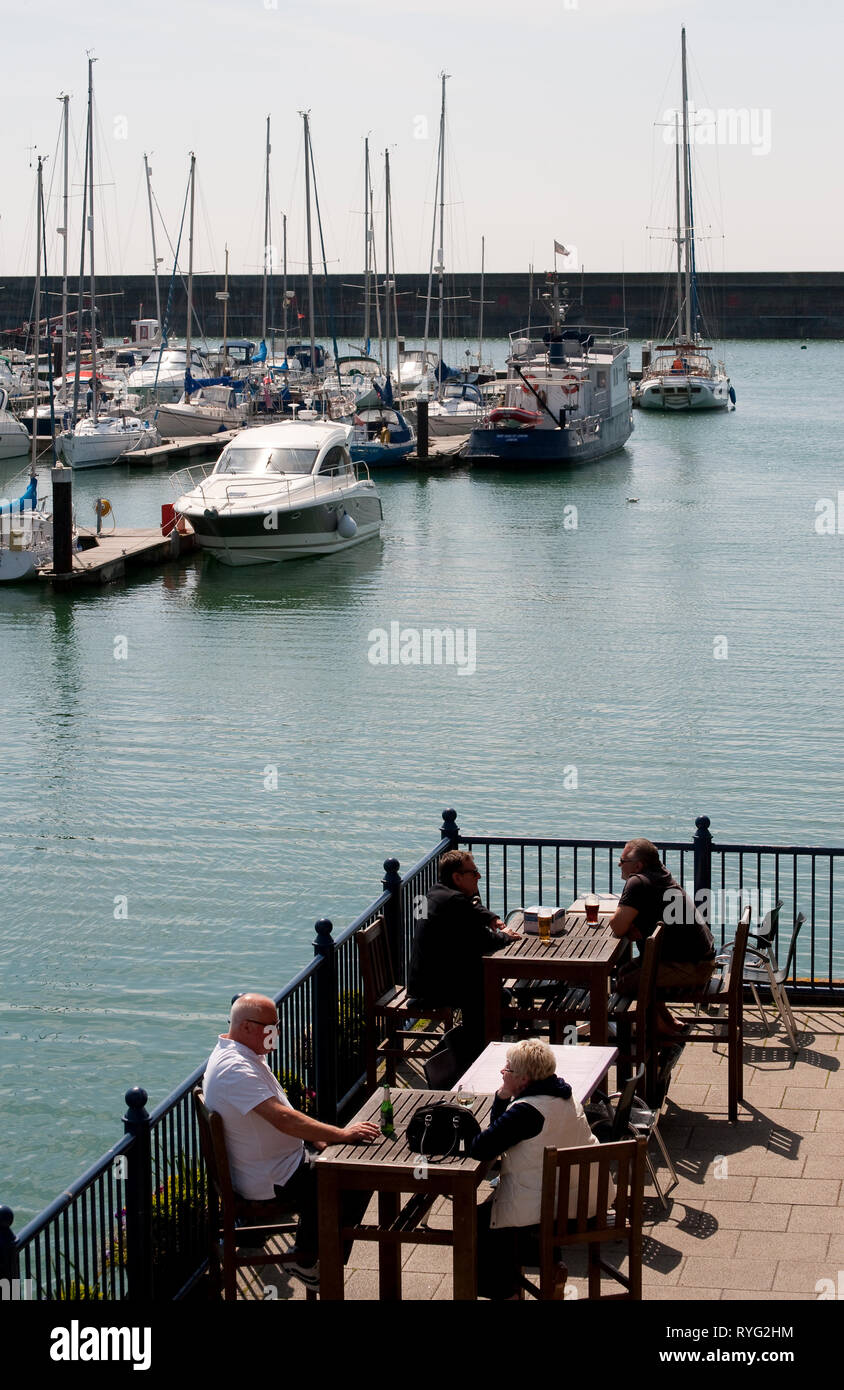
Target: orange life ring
pixel 569 385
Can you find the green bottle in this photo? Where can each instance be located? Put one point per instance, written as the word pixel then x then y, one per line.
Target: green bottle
pixel 388 1129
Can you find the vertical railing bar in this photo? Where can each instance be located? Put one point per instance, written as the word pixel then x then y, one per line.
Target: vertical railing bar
pixel 831 923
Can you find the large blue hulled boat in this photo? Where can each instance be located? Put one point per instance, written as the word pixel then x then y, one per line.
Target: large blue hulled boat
pixel 567 397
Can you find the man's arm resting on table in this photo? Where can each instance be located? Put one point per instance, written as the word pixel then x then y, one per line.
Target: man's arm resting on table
pixel 621 923
pixel 300 1126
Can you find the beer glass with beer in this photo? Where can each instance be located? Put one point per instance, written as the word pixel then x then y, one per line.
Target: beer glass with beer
pixel 591 903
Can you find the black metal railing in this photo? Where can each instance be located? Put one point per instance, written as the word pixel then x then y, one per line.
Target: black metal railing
pixel 135 1226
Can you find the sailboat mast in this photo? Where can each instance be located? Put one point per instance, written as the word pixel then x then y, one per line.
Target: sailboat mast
pixel 39 204
pixel 284 280
pixel 310 247
pixel 679 223
pixel 190 263
pixel 266 236
pixel 440 266
pixel 686 192
pixel 387 251
pixel 481 315
pixel 367 248
pixel 148 172
pixel 226 314
pixel 65 100
pixel 91 62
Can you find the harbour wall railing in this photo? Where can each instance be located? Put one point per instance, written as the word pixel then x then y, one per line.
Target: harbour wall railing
pixel 134 1225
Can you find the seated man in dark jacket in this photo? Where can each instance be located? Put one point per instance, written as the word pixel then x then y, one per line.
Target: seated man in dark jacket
pixel 651 895
pixel 455 932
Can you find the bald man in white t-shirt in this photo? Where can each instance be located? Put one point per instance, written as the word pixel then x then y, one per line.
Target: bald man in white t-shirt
pixel 265 1136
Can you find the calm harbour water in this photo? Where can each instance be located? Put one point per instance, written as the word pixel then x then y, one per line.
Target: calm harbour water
pixel 150 779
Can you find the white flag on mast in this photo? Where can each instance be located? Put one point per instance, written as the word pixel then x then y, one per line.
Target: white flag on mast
pixel 568 254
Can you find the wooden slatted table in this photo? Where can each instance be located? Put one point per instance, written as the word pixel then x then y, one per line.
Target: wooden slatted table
pixel 580 954
pixel 389 1168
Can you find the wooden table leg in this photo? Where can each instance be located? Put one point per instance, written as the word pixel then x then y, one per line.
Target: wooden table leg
pixel 330 1241
pixel 465 1238
pixel 492 1004
pixel 598 1008
pixel 389 1252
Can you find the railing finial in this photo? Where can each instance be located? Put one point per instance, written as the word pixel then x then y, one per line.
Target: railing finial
pixel 449 829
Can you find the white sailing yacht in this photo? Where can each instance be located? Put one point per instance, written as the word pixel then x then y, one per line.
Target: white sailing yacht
pixel 680 374
pixel 99 440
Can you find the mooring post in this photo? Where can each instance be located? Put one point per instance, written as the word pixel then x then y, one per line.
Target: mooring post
pixel 138 1196
pixel 62 481
pixel 421 430
pixel 325 1023
pixel 703 860
pixel 392 916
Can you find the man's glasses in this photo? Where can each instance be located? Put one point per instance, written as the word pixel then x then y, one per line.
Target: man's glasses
pixel 476 873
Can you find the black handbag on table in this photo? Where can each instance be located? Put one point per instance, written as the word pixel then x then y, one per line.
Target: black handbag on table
pixel 442 1131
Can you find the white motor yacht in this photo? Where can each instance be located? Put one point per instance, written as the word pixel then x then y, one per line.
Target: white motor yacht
pixel 208 410
pixel 459 410
pixel 278 492
pixel 163 375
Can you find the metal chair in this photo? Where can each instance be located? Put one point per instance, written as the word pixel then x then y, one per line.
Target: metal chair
pixel 227 1211
pixel 621 1221
pixel 762 971
pixel 631 1117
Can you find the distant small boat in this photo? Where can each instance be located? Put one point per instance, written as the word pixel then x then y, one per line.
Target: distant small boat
pixel 26 536
pixel 459 409
pixel 14 437
pixel 96 443
pixel 369 444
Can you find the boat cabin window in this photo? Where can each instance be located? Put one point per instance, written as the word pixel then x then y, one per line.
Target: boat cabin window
pixel 334 459
pixel 249 460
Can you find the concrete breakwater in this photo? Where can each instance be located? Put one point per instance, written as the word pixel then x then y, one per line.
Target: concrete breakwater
pixel 738 304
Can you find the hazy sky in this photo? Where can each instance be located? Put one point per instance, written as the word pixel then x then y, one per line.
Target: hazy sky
pixel 555 113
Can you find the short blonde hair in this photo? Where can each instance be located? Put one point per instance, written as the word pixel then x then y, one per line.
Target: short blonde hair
pixel 532 1059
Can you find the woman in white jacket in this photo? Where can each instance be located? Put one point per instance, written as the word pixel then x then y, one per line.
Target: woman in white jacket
pixel 533 1110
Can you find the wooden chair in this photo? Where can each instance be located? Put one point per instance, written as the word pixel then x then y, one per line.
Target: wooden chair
pixel 388 1006
pixel 226 1210
pixel 726 991
pixel 635 1021
pixel 621 1221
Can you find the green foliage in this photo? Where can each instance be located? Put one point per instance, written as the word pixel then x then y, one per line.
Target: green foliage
pixel 299 1095
pixel 351 1022
pixel 179 1217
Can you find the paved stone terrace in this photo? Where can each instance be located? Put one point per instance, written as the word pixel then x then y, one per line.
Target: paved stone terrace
pixel 759 1209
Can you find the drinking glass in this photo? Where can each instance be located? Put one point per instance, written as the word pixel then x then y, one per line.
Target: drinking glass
pixel 544 923
pixel 591 903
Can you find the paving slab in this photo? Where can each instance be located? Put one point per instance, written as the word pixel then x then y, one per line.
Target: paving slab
pixel 705 1273
pixel 752 1216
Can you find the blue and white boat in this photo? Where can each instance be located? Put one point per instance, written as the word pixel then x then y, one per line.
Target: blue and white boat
pixel 566 401
pixel 382 437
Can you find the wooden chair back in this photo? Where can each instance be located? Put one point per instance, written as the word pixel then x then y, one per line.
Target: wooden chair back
pixel 733 982
pixel 619 1218
pixel 376 961
pixel 212 1142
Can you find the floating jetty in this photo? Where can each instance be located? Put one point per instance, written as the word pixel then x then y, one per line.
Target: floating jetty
pixel 115 554
pixel 180 448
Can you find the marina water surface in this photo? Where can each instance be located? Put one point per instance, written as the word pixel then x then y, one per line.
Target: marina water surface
pixel 200 763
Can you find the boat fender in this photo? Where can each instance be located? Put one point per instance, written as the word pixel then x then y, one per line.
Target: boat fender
pixel 733 394
pixel 346 526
